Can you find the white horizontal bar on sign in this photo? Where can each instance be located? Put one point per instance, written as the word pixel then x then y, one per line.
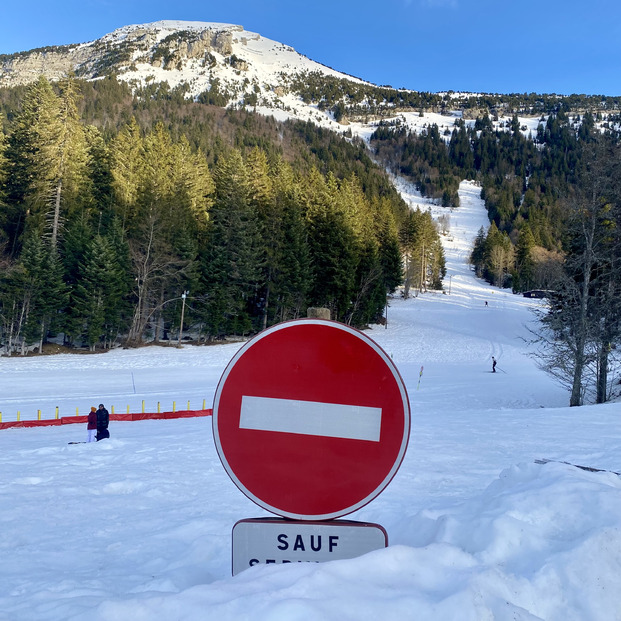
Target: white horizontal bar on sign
pixel 311 418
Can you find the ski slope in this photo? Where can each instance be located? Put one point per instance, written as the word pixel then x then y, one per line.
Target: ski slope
pixel 139 526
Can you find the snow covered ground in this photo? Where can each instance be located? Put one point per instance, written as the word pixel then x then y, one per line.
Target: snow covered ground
pixel 139 526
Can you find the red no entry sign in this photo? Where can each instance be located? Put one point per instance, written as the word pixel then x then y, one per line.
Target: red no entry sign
pixel 311 419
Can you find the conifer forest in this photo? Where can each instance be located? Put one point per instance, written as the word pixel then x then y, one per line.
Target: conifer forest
pixel 119 212
pixel 122 211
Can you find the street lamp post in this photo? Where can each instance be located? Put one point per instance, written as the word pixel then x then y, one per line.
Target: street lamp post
pixel 183 296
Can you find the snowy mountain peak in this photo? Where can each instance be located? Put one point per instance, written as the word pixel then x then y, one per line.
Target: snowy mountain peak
pixel 174 25
pixel 155 32
pixel 224 63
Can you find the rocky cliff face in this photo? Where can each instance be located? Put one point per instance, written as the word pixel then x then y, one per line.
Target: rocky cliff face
pixel 27 67
pixel 182 46
pixel 156 45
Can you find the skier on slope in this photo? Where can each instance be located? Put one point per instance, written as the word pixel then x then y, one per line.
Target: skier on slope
pixel 493 364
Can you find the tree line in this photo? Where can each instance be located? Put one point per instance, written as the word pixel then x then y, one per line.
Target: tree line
pixel 524 179
pixel 348 99
pixel 107 231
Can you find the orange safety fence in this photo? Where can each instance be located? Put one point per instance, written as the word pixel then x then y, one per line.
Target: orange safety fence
pixel 70 420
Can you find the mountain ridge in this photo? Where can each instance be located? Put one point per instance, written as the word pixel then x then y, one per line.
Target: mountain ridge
pixel 198 57
pixel 224 63
pixel 224 38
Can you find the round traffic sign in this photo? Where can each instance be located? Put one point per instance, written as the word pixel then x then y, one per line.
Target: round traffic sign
pixel 311 419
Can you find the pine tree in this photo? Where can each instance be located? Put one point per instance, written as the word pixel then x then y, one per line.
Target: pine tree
pixel 48 157
pixel 524 276
pixel 233 256
pixel 127 166
pixel 55 298
pixel 369 297
pixel 424 257
pixel 99 172
pixel 269 198
pixel 32 155
pixel 460 152
pixel 71 184
pixel 120 313
pixel 193 184
pixel 389 250
pixel 288 260
pixel 436 264
pixel 97 296
pixel 33 293
pixel 260 185
pixel 332 244
pixel 499 255
pixel 295 279
pixel 77 238
pixel 477 256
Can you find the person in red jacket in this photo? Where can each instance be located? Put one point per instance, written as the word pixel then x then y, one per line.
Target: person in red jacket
pixel 91 427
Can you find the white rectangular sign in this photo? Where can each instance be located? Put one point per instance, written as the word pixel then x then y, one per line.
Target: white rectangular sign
pixel 311 418
pixel 275 540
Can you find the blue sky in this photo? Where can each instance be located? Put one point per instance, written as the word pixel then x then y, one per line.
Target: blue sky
pixel 542 46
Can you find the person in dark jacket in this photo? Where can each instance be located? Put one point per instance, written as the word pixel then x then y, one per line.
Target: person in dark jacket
pixel 493 364
pixel 102 423
pixel 91 426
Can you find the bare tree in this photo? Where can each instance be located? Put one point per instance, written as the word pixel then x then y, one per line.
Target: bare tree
pixel 156 268
pixel 584 319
